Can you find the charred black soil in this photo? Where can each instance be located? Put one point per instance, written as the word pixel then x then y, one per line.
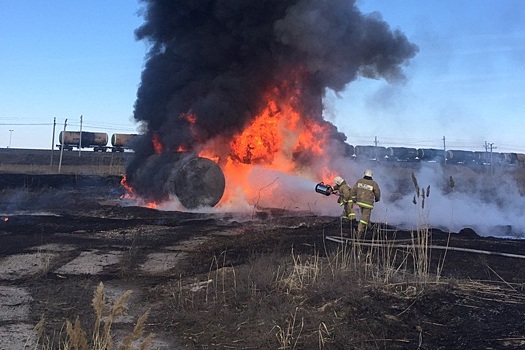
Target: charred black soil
pixel 266 280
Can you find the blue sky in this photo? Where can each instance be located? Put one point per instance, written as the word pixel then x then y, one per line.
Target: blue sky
pixel 63 59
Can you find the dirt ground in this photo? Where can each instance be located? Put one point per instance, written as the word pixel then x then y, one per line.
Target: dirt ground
pixel 202 277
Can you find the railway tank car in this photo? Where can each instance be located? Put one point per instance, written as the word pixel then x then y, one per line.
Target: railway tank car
pixel 510 158
pixel 520 159
pixel 122 142
pixel 85 139
pixel 370 152
pixel 436 155
pixel 461 157
pixel 497 158
pixel 431 154
pixel 401 154
pixel 485 158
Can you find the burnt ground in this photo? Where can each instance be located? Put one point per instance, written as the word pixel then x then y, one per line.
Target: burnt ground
pixel 267 280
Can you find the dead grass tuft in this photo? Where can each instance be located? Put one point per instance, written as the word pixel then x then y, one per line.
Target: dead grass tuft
pixel 102 337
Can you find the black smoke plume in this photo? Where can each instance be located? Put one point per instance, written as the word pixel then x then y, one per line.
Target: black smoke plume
pixel 215 59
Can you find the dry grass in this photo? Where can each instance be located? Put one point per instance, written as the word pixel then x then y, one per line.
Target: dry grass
pixel 292 301
pixel 101 336
pixel 299 300
pixel 296 301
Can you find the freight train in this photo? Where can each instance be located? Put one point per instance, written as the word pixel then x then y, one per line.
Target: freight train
pixel 406 154
pixel 68 140
pixel 121 142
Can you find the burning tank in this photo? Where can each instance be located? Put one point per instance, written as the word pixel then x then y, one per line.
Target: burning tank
pixel 196 181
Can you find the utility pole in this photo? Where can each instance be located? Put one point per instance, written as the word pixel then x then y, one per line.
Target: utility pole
pixel 444 150
pixel 80 141
pixel 375 143
pixel 53 140
pixel 10 137
pixel 62 147
pixel 491 147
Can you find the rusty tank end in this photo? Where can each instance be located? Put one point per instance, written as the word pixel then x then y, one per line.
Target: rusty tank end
pixel 198 182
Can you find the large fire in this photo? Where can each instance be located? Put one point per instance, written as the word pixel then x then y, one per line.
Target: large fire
pixel 272 141
pixel 246 92
pixel 280 139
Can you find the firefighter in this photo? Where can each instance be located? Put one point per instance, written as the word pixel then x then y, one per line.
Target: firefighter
pixel 364 193
pixel 345 198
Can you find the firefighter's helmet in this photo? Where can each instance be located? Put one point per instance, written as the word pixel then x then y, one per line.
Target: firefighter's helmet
pixel 338 180
pixel 368 173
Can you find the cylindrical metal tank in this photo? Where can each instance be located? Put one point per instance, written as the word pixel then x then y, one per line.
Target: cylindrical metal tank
pixel 430 154
pixel 122 140
pixel 498 158
pixel 458 156
pixel 487 158
pixel 401 153
pixel 89 139
pixel 198 182
pixel 349 150
pixel 482 157
pixel 370 152
pixel 156 177
pixel 510 158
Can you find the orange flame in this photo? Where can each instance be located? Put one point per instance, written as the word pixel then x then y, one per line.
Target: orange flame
pixel 157 145
pixel 189 117
pixel 272 140
pixel 278 139
pixel 130 193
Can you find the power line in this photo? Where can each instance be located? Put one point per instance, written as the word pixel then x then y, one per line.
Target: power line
pixel 26 124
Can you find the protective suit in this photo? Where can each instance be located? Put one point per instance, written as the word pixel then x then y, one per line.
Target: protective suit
pixel 345 198
pixel 365 193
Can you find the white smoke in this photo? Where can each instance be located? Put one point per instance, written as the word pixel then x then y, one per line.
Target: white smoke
pixel 489 204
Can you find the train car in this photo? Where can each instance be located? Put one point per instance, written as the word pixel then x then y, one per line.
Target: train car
pixel 484 157
pixel 510 158
pixel 121 142
pixel 402 154
pixel 85 139
pixel 431 154
pixel 461 157
pixel 496 158
pixel 499 158
pixel 349 150
pixel 520 159
pixel 370 152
